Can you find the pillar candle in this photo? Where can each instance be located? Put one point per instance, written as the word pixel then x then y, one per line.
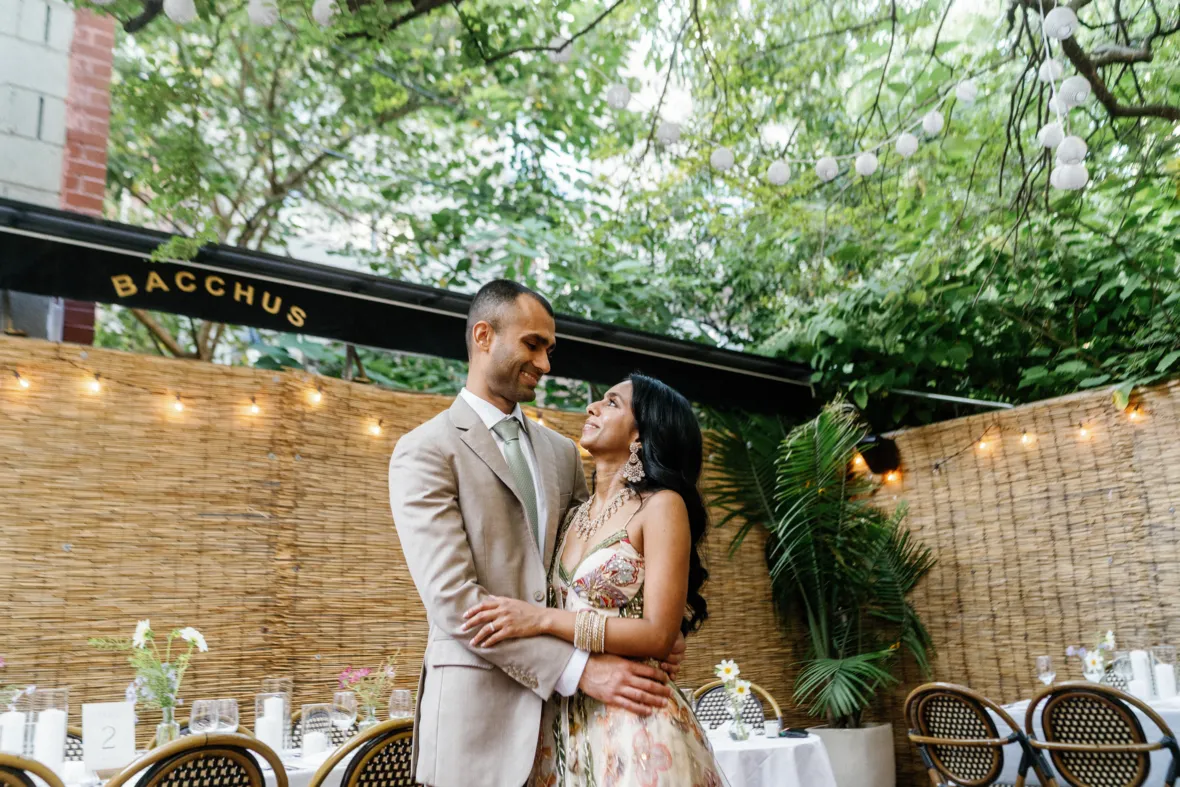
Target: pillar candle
pixel 272 707
pixel 1141 666
pixel 269 730
pixel 12 733
pixel 314 743
pixel 1165 681
pixel 49 739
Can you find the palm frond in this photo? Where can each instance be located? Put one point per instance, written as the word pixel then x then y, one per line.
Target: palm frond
pixel 837 688
pixel 743 450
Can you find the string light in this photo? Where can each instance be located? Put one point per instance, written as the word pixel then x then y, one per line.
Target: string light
pixel 178 405
pixel 983 444
pixel 1026 438
pixel 1083 432
pixel 22 382
pixel 254 408
pixel 375 429
pixel 317 395
pixel 892 477
pixel 1135 413
pixel 95 385
pixel 858 462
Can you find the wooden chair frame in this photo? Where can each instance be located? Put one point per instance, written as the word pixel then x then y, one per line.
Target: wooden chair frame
pixel 297 717
pixel 1054 694
pixel 762 694
pixel 19 768
pixel 185 731
pixel 1029 757
pixel 191 747
pixel 393 730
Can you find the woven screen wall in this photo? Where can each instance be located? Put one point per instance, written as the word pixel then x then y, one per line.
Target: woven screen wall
pixel 271 533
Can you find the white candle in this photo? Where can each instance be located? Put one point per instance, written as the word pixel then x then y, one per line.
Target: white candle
pixel 314 743
pixel 12 733
pixel 1139 688
pixel 1141 666
pixel 272 707
pixel 49 740
pixel 269 730
pixel 1165 681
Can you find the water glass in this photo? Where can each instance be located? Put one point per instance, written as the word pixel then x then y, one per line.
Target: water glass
pixel 227 715
pixel 204 717
pixel 344 709
pixel 316 722
pixel 273 684
pixel 50 710
pixel 1122 665
pixel 1045 671
pixel 401 704
pixel 1164 671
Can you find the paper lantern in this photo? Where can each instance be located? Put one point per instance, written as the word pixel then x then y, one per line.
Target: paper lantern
pixel 1060 23
pixel 826 169
pixel 1072 150
pixel 1050 135
pixel 1058 106
pixel 907 145
pixel 967 91
pixel 618 96
pixel 102 2
pixel 1075 90
pixel 933 122
pixel 560 50
pixel 1070 177
pixel 778 173
pixel 722 159
pixel 668 132
pixel 1050 71
pixel 866 164
pixel 324 11
pixel 180 11
pixel 263 12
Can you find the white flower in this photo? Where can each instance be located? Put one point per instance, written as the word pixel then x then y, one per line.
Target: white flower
pixel 741 688
pixel 143 630
pixel 194 637
pixel 727 670
pixel 1094 660
pixel 1110 638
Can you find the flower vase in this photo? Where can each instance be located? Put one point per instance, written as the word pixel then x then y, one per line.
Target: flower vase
pixel 1093 674
pixel 167 730
pixel 370 719
pixel 738 729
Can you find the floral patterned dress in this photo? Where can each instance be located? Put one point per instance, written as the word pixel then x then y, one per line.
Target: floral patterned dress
pixel 585 743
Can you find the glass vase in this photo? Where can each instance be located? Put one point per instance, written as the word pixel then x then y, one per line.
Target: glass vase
pixel 167 730
pixel 370 719
pixel 738 729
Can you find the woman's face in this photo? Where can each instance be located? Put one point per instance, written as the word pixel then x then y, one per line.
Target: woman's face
pixel 611 425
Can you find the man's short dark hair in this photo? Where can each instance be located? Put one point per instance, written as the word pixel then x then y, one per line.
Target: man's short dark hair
pixel 491 301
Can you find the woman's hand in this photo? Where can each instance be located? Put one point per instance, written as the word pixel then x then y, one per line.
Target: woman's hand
pixel 499 618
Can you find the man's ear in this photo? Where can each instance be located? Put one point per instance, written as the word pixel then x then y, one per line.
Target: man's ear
pixel 482 334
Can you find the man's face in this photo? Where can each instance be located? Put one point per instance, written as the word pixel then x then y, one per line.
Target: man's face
pixel 518 352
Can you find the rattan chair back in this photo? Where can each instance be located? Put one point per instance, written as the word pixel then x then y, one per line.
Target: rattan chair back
pixel 711 705
pixel 1094 737
pixel 336 735
pixel 73 744
pixel 384 757
pixel 204 760
pixel 19 772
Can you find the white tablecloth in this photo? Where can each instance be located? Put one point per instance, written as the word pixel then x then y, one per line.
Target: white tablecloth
pixel 1169 710
pixel 773 762
pixel 299 772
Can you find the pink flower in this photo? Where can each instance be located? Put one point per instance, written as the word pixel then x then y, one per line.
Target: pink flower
pixel 3 663
pixel 363 673
pixel 650 759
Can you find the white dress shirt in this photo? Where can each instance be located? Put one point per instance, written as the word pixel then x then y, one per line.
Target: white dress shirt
pixel 491 415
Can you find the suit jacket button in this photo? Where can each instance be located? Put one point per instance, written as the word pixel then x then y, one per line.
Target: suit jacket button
pixel 538 596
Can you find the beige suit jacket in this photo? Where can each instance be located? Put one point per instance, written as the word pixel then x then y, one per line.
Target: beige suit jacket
pixel 465 535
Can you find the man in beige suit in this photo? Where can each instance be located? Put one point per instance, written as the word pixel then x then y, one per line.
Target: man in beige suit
pixel 478 494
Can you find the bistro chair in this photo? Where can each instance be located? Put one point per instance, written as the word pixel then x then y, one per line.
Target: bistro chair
pixel 336 735
pixel 958 739
pixel 19 772
pixel 205 760
pixel 185 731
pixel 711 705
pixel 73 744
pixel 1094 737
pixel 384 757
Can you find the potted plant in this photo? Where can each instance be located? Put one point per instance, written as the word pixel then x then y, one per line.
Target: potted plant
pixel 841 570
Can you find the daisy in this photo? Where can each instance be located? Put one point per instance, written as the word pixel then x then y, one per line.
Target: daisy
pixel 194 637
pixel 1094 660
pixel 143 630
pixel 741 688
pixel 728 670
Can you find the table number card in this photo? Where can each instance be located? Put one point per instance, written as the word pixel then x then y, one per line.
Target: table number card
pixel 108 735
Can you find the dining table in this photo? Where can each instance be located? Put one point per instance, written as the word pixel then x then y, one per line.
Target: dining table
pixel 299 770
pixel 770 761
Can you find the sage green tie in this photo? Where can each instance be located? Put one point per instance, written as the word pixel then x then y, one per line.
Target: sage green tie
pixel 509 431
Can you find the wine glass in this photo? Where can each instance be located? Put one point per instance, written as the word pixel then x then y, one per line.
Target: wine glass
pixel 1045 670
pixel 1122 666
pixel 204 717
pixel 344 709
pixel 401 704
pixel 227 715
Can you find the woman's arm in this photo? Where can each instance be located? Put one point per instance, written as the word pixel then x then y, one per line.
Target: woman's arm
pixel 666 544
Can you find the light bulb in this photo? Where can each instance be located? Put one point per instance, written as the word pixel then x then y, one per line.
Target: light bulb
pixel 778 173
pixel 1083 432
pixel 933 122
pixel 178 405
pixel 618 96
pixel 668 132
pixel 95 386
pixel 722 159
pixel 907 145
pixel 564 50
pixel 858 462
pixel 22 382
pixel 892 476
pixel 826 169
pixel 983 445
pixel 375 429
pixel 1026 438
pixel 254 408
pixel 866 164
pixel 316 396
pixel 1135 415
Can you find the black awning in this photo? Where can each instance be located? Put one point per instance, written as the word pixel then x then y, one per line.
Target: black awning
pixel 51 252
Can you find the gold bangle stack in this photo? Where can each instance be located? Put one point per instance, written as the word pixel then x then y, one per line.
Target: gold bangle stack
pixel 590 631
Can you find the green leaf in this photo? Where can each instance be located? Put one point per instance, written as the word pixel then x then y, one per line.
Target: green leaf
pixel 1167 361
pixel 1122 395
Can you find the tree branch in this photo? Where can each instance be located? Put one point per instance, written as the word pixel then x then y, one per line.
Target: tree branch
pixel 151 9
pixel 510 52
pixel 815 37
pixel 419 10
pixel 160 333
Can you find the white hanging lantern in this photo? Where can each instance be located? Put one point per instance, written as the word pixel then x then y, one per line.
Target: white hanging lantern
pixel 907 145
pixel 668 132
pixel 826 169
pixel 1075 90
pixel 866 164
pixel 967 91
pixel 1050 70
pixel 933 122
pixel 1069 177
pixel 1058 106
pixel 778 173
pixel 1060 23
pixel 324 11
pixel 1050 135
pixel 102 2
pixel 180 11
pixel 1072 150
pixel 263 12
pixel 618 96
pixel 560 50
pixel 722 159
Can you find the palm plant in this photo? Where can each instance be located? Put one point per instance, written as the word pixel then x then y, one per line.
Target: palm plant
pixel 839 566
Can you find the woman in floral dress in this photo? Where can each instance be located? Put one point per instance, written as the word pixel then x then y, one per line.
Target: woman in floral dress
pixel 626 580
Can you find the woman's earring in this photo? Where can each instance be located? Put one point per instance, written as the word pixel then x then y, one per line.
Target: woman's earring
pixel 633 470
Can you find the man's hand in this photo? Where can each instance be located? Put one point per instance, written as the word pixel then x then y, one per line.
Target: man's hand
pixel 625 684
pixel 672 665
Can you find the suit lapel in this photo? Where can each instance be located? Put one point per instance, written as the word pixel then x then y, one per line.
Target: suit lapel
pixel 549 484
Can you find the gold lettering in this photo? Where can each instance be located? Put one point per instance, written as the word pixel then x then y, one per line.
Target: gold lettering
pixel 266 301
pixel 209 285
pixel 124 285
pixel 248 292
pixel 154 282
pixel 192 281
pixel 296 316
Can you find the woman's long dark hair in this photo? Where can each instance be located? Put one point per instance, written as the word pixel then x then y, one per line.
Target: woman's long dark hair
pixel 672 454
